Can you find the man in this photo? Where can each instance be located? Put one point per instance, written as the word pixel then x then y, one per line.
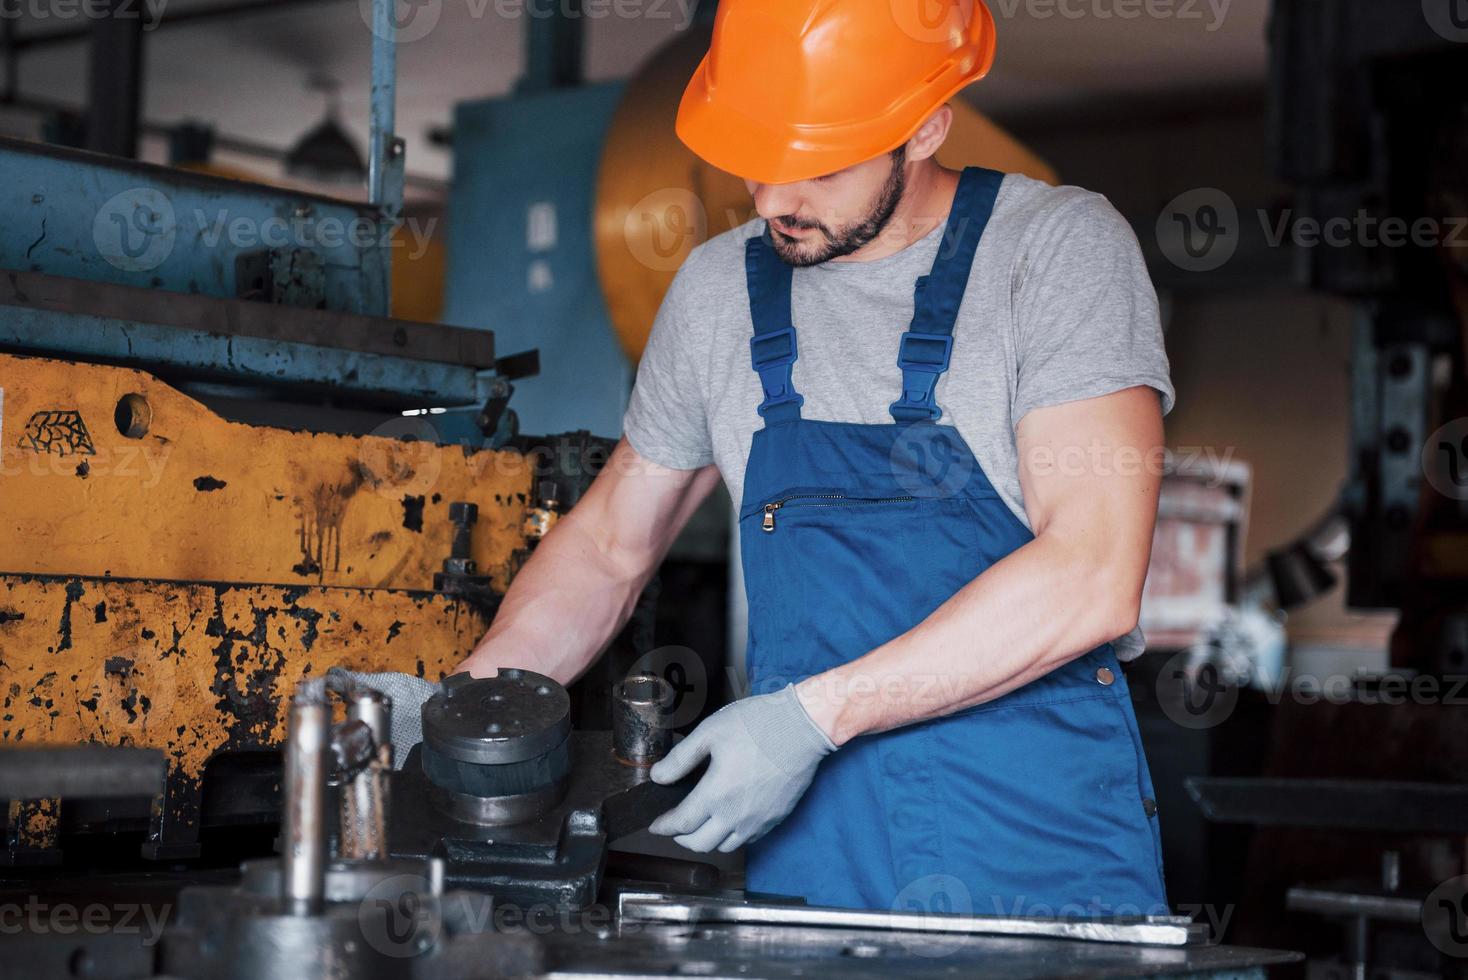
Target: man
pixel 943 529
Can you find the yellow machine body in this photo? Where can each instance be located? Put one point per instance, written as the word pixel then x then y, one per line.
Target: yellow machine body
pixel 167 576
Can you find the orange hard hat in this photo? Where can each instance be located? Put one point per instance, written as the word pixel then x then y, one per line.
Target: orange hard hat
pixel 794 89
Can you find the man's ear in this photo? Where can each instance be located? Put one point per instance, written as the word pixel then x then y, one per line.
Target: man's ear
pixel 930 135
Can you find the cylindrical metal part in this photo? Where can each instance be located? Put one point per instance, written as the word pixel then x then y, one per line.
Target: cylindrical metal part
pixel 375 709
pixel 303 828
pixel 641 707
pixel 365 799
pixel 497 750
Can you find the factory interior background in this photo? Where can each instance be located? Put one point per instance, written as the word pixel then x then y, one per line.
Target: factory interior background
pixel 1295 171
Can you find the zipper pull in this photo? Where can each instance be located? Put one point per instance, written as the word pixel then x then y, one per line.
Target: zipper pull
pixel 769 522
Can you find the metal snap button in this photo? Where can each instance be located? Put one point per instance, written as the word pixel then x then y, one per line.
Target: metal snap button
pixel 1104 676
pixel 1149 807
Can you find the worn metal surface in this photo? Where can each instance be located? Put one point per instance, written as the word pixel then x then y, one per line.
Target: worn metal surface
pixel 1152 930
pixel 344 332
pixel 383 381
pixel 107 219
pixel 197 498
pixel 642 731
pixel 39 771
pixel 554 859
pixel 649 950
pixel 198 669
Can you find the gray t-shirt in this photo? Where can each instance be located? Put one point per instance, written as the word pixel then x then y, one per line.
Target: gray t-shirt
pixel 1058 308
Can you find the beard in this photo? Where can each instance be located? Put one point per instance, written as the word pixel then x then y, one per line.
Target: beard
pixel 835 243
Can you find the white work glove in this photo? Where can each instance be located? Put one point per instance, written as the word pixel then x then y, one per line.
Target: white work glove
pixel 408 694
pixel 764 751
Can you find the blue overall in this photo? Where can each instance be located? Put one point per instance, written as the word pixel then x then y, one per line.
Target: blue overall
pixel 1037 803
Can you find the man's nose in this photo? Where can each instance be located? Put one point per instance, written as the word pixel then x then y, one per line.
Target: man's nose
pixel 775 200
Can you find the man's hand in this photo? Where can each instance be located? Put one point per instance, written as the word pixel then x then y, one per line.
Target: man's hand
pixel 764 751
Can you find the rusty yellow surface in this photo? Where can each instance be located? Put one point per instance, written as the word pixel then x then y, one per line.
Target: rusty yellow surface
pixel 197 498
pixel 195 669
pixel 34 823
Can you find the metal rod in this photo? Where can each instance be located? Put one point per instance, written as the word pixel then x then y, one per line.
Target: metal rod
pixel 1141 930
pixel 385 163
pixel 383 121
pixel 303 829
pixel 640 731
pixel 365 800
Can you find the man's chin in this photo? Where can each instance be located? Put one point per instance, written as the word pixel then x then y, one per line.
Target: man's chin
pixel 800 253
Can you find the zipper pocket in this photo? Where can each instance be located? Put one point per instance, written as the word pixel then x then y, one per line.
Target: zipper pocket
pixel 821 500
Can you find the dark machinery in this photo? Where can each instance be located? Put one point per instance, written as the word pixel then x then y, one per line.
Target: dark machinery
pixel 1359 855
pixel 487 855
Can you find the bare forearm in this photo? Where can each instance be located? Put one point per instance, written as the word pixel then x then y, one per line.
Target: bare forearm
pixel 562 609
pixel 1028 614
pixel 582 582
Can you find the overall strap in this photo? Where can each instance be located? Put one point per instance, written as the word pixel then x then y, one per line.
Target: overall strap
pixel 772 349
pixel 928 343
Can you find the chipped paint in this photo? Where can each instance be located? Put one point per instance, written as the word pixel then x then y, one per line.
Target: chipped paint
pixel 201 499
pixel 198 669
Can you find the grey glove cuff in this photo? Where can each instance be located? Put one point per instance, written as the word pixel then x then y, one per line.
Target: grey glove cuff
pixel 408 694
pixel 788 734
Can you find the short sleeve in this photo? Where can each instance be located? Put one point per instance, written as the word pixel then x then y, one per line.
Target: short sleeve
pixel 667 418
pixel 1086 321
